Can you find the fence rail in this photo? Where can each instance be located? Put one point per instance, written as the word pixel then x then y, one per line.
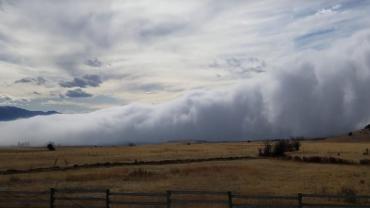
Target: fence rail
pixel 99 198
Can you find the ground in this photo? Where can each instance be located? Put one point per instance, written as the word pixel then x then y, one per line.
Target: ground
pixel 254 175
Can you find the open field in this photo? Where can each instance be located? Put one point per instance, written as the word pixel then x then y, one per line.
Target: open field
pixel 65 156
pixel 247 176
pixel 345 150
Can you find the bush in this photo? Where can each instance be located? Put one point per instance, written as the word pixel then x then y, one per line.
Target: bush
pixel 266 150
pixel 50 146
pixel 350 134
pixel 280 148
pixel 296 144
pixel 131 144
pixel 367 127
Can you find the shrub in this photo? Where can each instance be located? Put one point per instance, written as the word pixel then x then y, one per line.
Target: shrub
pixel 266 150
pixel 296 144
pixel 367 127
pixel 131 144
pixel 50 146
pixel 350 134
pixel 280 148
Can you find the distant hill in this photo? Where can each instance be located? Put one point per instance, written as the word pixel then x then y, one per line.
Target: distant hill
pixel 8 113
pixel 362 135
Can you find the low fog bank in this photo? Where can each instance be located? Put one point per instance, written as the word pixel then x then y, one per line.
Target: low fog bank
pixel 317 93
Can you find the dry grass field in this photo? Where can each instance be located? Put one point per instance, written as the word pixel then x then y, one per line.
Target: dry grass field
pixel 345 150
pixel 247 176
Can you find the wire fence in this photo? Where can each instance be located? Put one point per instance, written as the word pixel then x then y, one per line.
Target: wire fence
pixel 99 198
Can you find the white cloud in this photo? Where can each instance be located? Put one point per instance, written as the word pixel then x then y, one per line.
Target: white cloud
pixel 186 57
pixel 316 93
pixel 166 42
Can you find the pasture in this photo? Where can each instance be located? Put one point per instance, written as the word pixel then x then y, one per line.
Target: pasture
pixel 254 175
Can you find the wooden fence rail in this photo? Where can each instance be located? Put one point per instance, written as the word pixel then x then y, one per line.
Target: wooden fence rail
pixel 100 198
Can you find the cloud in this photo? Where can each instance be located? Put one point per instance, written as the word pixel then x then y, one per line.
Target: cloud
pixel 160 30
pixel 5 99
pixel 240 67
pixel 147 87
pixel 77 93
pixel 37 80
pixel 95 62
pixel 8 100
pixel 83 82
pixel 316 93
pixel 171 43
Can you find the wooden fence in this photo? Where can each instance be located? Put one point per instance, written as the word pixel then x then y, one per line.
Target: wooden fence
pixel 82 198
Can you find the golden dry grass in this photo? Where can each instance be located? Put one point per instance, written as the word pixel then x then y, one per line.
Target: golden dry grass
pixel 255 176
pixel 263 176
pixel 345 150
pixel 26 158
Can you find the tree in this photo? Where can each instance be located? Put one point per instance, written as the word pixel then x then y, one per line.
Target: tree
pixel 280 148
pixel 296 144
pixel 50 146
pixel 266 150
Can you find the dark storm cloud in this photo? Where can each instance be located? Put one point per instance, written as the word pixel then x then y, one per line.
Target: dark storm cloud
pixel 77 93
pixel 91 80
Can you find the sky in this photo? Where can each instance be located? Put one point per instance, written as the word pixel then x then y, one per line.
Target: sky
pixel 152 71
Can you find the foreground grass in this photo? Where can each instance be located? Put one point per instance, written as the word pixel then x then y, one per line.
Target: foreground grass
pixel 28 158
pixel 264 176
pixel 256 176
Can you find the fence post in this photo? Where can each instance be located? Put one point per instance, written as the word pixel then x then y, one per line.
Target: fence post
pixel 52 198
pixel 107 198
pixel 230 196
pixel 168 199
pixel 300 196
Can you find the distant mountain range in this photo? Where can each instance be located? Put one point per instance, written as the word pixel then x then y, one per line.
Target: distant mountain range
pixel 8 113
